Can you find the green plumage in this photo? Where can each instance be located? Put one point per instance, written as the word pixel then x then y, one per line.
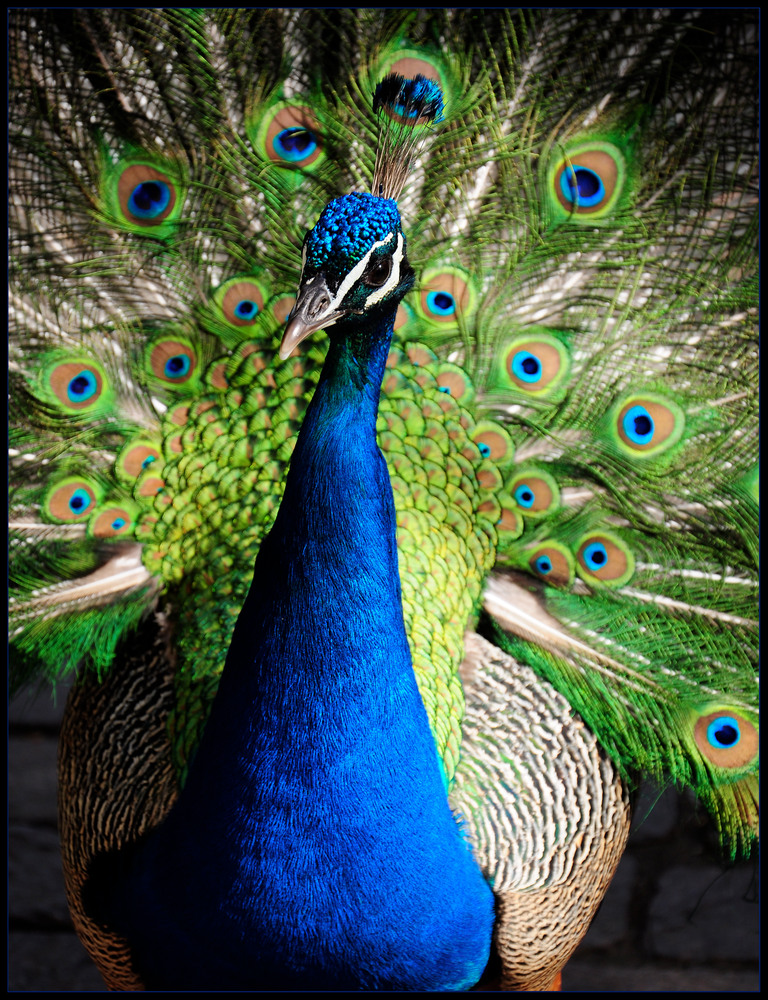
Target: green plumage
pixel 148 408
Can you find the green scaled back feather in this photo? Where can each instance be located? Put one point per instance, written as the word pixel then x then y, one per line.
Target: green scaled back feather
pixel 571 395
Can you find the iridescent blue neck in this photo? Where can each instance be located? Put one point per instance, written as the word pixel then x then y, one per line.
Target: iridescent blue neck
pixel 357 358
pixel 313 846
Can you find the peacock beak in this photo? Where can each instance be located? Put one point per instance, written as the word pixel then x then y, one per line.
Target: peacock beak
pixel 315 309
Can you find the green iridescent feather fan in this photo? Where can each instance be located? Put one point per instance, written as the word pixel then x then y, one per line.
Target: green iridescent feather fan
pixel 569 411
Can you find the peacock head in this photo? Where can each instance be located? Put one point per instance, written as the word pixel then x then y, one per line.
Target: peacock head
pixel 354 265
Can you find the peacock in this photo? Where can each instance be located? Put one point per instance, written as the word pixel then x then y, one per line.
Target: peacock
pixel 384 463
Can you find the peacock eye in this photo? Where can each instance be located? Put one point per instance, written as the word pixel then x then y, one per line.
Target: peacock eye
pixel 378 272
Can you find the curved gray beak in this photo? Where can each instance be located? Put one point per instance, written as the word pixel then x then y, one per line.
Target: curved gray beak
pixel 314 310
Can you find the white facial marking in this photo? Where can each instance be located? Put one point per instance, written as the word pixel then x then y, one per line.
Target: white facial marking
pixel 357 271
pixel 394 278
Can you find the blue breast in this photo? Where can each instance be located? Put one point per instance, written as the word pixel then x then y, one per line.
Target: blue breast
pixel 313 846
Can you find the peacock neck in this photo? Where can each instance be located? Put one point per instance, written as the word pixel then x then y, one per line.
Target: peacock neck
pixel 358 352
pixel 322 627
pixel 314 822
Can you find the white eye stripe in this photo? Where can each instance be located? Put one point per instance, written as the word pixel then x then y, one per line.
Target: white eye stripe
pixel 303 265
pixel 394 277
pixel 358 270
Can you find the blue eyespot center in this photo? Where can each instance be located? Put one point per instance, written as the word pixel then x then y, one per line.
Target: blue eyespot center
pixel 524 495
pixel 638 425
pixel 149 199
pixel 246 309
pixel 147 461
pixel 643 426
pixel 543 564
pixel 485 449
pixel 79 501
pixel 582 187
pixel 118 523
pixel 441 303
pixel 177 366
pixel 595 556
pixel 295 144
pixel 526 366
pixel 723 732
pixel 82 387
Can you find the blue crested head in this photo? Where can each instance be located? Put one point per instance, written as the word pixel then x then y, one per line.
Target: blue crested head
pixel 354 265
pixel 346 230
pixel 354 258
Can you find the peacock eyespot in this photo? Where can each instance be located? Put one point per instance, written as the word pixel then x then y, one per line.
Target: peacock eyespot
pixel 726 738
pixel 241 300
pixel 177 366
pixel 446 295
pixel 493 442
pixel 525 496
pixel 589 179
pixel 723 732
pixel 246 310
pixel 289 136
pixel 582 187
pixel 79 502
pixel 135 457
pixel 604 558
pixel 595 555
pixel 77 385
pixel 72 499
pixel 648 424
pixel 147 196
pixel 174 362
pixel 441 304
pixel 526 366
pixel 535 492
pixel 552 563
pixel 294 144
pixel 536 365
pixel 111 522
pixel 82 387
pixel 149 199
pixel 637 425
